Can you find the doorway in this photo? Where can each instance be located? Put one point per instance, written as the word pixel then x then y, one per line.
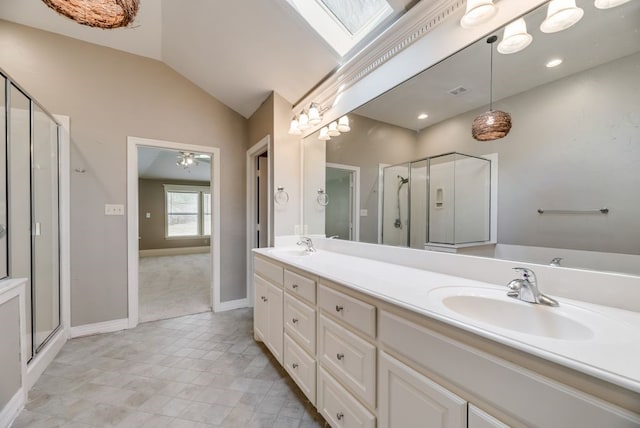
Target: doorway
pixel 342 212
pixel 173 229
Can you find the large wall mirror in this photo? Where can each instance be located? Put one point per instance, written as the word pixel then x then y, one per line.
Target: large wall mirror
pixel 564 183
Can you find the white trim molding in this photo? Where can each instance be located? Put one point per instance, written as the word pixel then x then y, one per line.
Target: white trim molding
pixel 12 409
pixel 132 217
pixel 173 251
pixel 99 327
pixel 233 304
pixel 41 361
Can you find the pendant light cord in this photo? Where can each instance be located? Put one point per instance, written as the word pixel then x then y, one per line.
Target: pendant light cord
pixel 491 79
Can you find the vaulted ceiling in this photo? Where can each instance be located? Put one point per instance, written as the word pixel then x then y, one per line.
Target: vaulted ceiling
pixel 238 51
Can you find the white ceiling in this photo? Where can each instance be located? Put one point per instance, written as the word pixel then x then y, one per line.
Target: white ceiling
pixel 159 164
pixel 237 51
pixel 601 36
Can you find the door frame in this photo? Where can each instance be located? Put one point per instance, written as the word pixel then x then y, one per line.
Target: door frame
pixel 262 146
pixel 356 196
pixel 132 218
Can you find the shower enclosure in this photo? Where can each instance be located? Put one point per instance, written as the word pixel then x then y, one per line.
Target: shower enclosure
pixel 442 200
pixel 29 209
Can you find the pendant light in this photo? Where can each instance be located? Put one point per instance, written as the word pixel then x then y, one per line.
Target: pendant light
pixel 97 13
pixel 491 125
pixel 515 37
pixel 477 12
pixel 608 4
pixel 561 14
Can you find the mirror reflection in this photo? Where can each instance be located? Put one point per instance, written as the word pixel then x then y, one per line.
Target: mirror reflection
pixel 566 175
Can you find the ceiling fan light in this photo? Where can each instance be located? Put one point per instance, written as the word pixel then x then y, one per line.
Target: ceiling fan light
pixel 294 128
pixel 343 124
pixel 324 134
pixel 478 11
pixel 608 4
pixel 515 37
pixel 303 121
pixel 314 115
pixel 333 129
pixel 491 125
pixel 561 14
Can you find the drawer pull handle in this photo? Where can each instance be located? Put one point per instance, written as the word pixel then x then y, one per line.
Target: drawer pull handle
pixel 339 308
pixel 294 365
pixel 340 357
pixel 294 320
pixel 265 299
pixel 340 416
pixel 295 286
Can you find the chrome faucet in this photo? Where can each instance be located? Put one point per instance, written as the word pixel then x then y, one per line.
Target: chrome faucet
pixel 308 243
pixel 526 289
pixel 555 261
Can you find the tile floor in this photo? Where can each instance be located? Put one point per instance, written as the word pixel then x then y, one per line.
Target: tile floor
pixel 172 286
pixel 202 370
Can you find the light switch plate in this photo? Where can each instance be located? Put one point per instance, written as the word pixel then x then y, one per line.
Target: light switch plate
pixel 364 213
pixel 113 209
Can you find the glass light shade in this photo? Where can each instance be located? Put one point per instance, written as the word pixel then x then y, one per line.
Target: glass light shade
pixel 314 115
pixel 515 37
pixel 333 129
pixel 324 134
pixel 478 11
pixel 343 124
pixel 561 14
pixel 608 4
pixel 303 121
pixel 294 129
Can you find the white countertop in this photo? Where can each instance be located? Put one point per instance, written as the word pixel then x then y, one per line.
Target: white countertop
pixel 612 354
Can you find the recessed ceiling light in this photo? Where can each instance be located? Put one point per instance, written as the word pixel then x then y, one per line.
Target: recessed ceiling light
pixel 554 63
pixel 423 116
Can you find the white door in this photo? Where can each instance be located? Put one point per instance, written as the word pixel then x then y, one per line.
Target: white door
pixel 409 399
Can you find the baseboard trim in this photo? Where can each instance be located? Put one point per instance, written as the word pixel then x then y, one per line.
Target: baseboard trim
pixel 12 409
pixel 100 327
pixel 39 364
pixel 232 304
pixel 173 251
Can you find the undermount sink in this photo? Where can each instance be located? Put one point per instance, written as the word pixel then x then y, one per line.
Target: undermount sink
pixel 291 252
pixel 492 306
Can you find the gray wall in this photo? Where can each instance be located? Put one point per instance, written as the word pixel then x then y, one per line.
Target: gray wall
pixel 10 371
pixel 110 95
pixel 367 144
pixel 574 144
pixel 151 230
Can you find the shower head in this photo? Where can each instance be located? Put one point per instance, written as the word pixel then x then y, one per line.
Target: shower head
pixel 403 180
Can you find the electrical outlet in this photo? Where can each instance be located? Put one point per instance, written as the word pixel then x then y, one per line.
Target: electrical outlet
pixel 113 209
pixel 147 215
pixel 364 213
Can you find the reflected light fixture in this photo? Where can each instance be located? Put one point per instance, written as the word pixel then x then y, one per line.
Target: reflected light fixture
pixel 492 124
pixel 294 128
pixel 343 124
pixel 515 37
pixel 561 14
pixel 324 134
pixel 97 13
pixel 186 159
pixel 554 63
pixel 333 129
pixel 423 116
pixel 608 4
pixel 303 121
pixel 478 11
pixel 314 115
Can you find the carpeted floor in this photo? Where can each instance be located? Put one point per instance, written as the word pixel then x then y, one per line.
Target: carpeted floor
pixel 172 286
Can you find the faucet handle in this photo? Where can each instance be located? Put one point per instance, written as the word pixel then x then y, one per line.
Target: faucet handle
pixel 526 273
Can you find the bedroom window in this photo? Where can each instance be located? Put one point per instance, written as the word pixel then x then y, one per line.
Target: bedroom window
pixel 188 211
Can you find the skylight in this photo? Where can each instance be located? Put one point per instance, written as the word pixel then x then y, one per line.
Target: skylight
pixel 344 24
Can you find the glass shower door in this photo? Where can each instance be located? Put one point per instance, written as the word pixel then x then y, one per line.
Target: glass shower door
pixel 3 180
pixel 44 193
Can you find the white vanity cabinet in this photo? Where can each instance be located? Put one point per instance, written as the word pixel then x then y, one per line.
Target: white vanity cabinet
pixel 268 304
pixel 408 399
pixel 480 419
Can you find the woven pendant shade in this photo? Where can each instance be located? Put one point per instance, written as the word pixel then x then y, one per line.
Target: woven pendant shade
pixel 97 13
pixel 491 125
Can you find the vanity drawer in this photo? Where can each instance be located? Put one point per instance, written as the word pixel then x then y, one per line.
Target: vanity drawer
pixel 351 359
pixel 268 270
pixel 300 285
pixel 301 367
pixel 356 313
pixel 300 322
pixel 339 407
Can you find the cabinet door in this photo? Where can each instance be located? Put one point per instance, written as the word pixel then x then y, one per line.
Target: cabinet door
pixel 480 419
pixel 275 329
pixel 408 399
pixel 259 308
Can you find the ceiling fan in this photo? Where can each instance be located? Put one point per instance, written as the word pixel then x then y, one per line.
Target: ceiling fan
pixel 188 159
